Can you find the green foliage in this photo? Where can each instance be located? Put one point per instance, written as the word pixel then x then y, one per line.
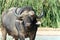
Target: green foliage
pixel 51 13
pixel 51 9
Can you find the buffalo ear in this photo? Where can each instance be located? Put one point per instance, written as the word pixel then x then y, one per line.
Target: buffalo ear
pixel 38 23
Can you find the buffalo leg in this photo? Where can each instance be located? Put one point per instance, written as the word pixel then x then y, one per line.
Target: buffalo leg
pixel 22 38
pixel 4 33
pixel 32 36
pixel 16 38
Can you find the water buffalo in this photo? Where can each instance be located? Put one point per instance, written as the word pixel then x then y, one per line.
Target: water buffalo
pixel 19 23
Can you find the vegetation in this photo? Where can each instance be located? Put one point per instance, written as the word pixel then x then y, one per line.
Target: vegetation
pixel 50 8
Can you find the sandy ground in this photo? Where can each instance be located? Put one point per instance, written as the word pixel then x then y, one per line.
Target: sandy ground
pixel 46 31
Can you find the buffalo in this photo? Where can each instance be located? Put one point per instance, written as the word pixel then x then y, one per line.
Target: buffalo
pixel 19 23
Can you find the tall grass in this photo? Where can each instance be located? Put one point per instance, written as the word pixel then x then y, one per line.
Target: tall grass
pixel 50 8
